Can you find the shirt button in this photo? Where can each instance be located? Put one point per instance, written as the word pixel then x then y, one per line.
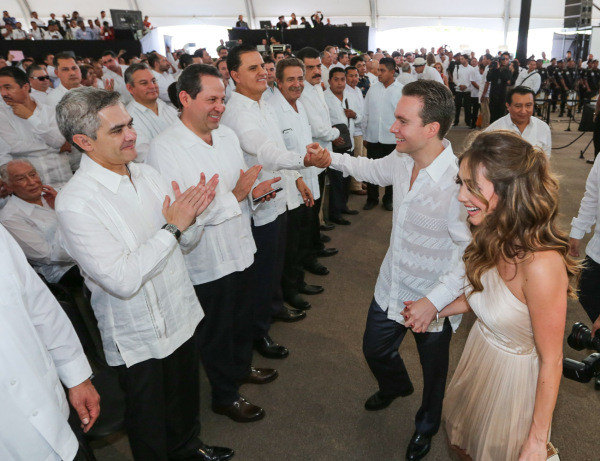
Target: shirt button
pixel 13 382
pixel 35 413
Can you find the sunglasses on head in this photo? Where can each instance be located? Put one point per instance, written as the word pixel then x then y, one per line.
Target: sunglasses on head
pixel 43 77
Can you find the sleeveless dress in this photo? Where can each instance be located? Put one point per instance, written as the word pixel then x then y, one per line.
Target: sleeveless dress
pixel 489 404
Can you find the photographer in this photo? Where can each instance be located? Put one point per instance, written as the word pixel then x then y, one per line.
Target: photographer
pixel 498 76
pixel 589 213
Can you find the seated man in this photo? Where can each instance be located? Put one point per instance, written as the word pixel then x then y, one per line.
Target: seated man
pixel 113 75
pixel 41 86
pixel 30 129
pixel 150 114
pixel 160 70
pixel 29 216
pixel 520 103
pixel 124 228
pixel 69 74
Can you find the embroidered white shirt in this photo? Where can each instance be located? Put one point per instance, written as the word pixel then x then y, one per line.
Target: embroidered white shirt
pixel 380 104
pixel 536 133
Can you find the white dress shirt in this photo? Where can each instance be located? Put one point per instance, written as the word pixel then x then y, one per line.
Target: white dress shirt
pixel 120 86
pixel 227 244
pixel 56 95
pixel 337 114
pixel 18 34
pixel 35 229
pixel 429 232
pixel 532 80
pixel 255 124
pixel 38 350
pixel 52 35
pixel 148 125
pixel 373 78
pixel 142 295
pixel 296 133
pixel 318 115
pixel 357 104
pixel 589 214
pixel 537 133
pixel 380 104
pixel 325 74
pixel 38 140
pixel 269 93
pixel 40 96
pixel 482 82
pixel 462 76
pixel 37 34
pixel 405 77
pixel 163 80
pixel 429 73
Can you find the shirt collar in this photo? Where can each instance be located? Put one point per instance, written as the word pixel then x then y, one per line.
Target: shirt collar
pixel 441 163
pixel 104 176
pixel 24 206
pixel 244 100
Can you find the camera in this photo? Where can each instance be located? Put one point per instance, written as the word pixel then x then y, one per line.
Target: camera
pixel 579 339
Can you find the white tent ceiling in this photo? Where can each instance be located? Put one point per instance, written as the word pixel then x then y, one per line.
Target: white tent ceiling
pixel 384 14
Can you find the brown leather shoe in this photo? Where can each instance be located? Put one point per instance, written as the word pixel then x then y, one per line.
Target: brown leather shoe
pixel 260 376
pixel 240 411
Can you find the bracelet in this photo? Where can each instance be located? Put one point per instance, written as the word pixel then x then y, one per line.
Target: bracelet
pixel 437 317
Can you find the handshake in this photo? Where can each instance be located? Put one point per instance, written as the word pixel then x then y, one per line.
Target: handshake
pixel 317 156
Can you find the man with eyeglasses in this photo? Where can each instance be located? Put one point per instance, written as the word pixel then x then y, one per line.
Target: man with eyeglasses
pixel 41 86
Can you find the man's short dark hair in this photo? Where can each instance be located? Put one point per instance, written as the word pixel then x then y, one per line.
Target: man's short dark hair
pixel 284 64
pixel 128 76
pixel 109 53
pixel 32 68
pixel 268 60
pixel 153 58
pixel 275 53
pixel 488 56
pixel 523 90
pixel 63 55
pixel 234 58
pixel 190 79
pixel 341 54
pixel 308 53
pixel 356 59
pixel 16 73
pixel 336 70
pixel 389 63
pixel 185 60
pixel 199 53
pixel 438 103
pixel 349 68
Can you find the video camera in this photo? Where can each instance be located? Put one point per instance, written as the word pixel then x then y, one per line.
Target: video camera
pixel 579 339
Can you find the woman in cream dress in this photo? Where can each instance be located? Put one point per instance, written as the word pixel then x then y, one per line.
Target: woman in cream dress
pixel 499 404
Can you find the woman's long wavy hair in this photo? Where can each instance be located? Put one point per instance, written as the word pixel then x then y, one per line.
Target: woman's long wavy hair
pixel 524 220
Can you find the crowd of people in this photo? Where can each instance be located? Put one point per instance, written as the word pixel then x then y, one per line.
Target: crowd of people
pixel 316 20
pixel 190 195
pixel 69 27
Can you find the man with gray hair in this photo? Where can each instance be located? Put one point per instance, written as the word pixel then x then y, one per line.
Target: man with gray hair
pixel 30 218
pixel 124 227
pixel 30 129
pixel 150 114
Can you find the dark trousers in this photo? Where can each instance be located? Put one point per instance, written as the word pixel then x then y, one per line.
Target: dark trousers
pixel 589 288
pixel 297 246
pixel 268 262
pixel 381 341
pixel 462 99
pixel 162 415
pixel 225 334
pixel 474 111
pixel 497 107
pixel 339 188
pixel 377 150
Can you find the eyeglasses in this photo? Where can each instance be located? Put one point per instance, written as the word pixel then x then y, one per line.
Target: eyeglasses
pixel 43 77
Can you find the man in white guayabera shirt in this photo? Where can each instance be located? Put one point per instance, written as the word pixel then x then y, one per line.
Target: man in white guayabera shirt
pixel 221 266
pixel 126 231
pixel 424 261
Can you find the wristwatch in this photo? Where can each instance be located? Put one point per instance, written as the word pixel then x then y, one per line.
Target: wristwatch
pixel 172 228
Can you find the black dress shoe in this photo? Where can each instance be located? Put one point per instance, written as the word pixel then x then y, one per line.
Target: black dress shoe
pixel 298 302
pixel 418 447
pixel 327 227
pixel 340 221
pixel 270 349
pixel 240 411
pixel 325 238
pixel 325 252
pixel 206 453
pixel 389 206
pixel 350 212
pixel 317 269
pixel 311 289
pixel 260 376
pixel 370 205
pixel 288 315
pixel 379 400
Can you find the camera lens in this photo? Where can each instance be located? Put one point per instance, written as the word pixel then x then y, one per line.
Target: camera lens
pixel 580 337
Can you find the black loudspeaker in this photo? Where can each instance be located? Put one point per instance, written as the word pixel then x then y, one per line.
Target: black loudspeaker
pixel 578 14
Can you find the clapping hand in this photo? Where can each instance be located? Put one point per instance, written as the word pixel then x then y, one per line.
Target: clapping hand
pixel 189 204
pixel 245 182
